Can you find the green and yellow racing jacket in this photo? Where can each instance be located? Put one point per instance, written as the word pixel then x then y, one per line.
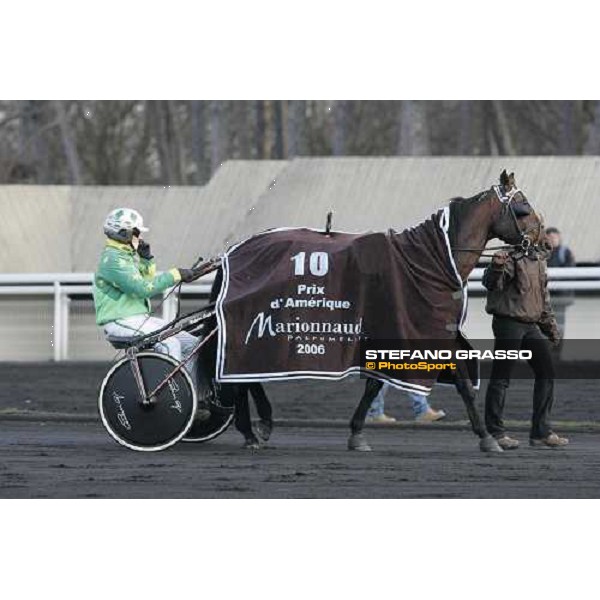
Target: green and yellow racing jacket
pixel 124 283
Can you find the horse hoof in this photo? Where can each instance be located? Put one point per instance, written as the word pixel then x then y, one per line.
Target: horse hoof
pixel 252 444
pixel 489 444
pixel 264 430
pixel 358 442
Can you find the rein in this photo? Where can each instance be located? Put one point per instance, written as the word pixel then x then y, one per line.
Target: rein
pixel 485 251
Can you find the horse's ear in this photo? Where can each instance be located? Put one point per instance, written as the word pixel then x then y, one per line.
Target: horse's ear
pixel 504 178
pixel 511 180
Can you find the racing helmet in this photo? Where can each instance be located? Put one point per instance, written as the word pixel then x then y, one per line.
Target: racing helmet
pixel 121 222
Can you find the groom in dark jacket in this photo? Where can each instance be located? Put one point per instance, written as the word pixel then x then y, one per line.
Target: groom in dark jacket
pixel 523 319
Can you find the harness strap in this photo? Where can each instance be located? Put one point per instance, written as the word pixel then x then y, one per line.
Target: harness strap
pixel 525 243
pixel 505 198
pixel 490 249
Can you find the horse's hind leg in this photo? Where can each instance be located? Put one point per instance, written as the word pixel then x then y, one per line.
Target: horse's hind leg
pixel 357 440
pixel 465 388
pixel 242 419
pixel 264 410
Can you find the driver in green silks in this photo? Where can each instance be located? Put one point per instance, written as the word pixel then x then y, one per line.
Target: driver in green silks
pixel 125 281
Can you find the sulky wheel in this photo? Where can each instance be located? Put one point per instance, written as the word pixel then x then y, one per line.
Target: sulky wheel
pixel 154 426
pixel 204 429
pixel 215 409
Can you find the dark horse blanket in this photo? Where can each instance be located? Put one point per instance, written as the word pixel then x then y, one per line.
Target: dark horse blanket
pixel 296 303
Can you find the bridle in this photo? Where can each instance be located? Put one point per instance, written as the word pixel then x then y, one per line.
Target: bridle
pixel 525 244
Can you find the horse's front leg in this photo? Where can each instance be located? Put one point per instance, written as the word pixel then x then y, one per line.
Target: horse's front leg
pixel 242 420
pixel 264 428
pixel 465 388
pixel 357 440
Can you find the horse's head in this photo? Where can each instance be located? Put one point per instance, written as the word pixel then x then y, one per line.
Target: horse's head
pixel 516 221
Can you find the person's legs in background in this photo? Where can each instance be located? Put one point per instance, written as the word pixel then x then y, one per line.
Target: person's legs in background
pixel 422 411
pixel 376 413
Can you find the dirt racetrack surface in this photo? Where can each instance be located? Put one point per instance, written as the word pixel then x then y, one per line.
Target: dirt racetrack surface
pixel 73 388
pixel 79 460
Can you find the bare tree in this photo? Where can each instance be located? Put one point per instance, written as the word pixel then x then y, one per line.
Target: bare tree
pixel 465 128
pixel 567 141
pixel 269 135
pixel 592 144
pixel 34 151
pixel 156 109
pixel 503 140
pixel 68 142
pixel 179 142
pixel 198 135
pixel 295 128
pixel 340 124
pixel 168 139
pixel 260 128
pixel 141 151
pixel 217 151
pixel 175 141
pixel 240 120
pixel 413 128
pixel 277 129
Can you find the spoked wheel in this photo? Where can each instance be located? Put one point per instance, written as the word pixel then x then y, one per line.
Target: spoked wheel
pixel 158 425
pixel 215 410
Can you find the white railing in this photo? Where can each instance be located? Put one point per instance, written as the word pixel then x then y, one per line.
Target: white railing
pixel 581 279
pixel 61 286
pixel 64 285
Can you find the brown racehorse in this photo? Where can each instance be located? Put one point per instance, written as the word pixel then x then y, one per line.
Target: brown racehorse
pixel 501 212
